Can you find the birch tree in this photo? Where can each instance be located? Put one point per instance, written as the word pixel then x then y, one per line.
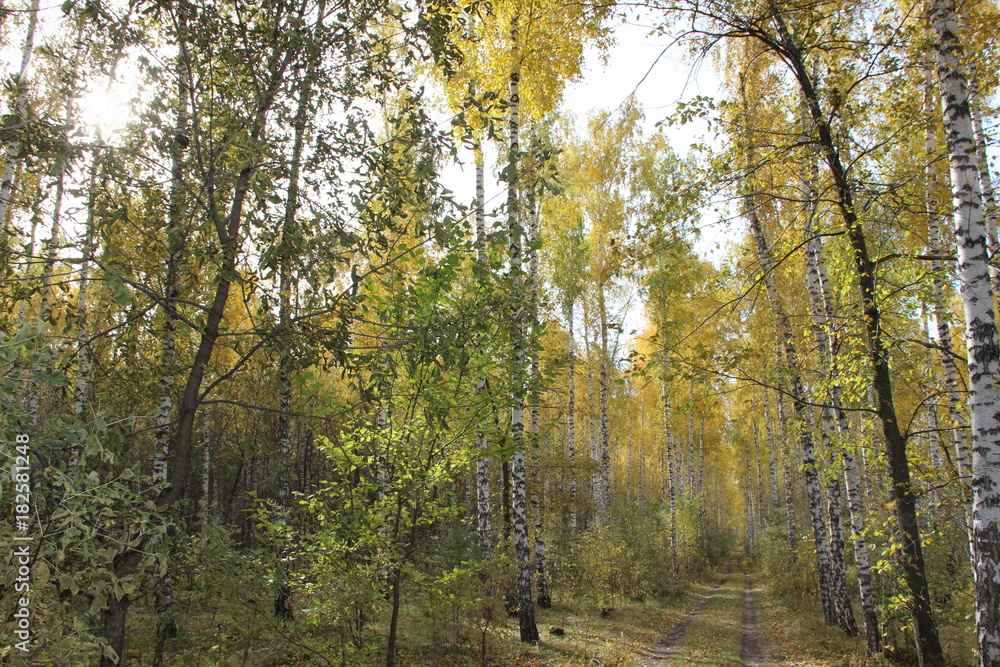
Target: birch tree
pixel 980 323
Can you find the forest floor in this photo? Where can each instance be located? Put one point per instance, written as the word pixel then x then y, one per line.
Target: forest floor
pixel 730 620
pixel 727 619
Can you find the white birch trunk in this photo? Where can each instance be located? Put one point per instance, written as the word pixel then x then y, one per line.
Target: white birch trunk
pixel 980 319
pixel 571 417
pixel 45 303
pixel 519 495
pixel 176 239
pixel 793 538
pixel 484 522
pixel 939 277
pixel 803 418
pixel 20 110
pixel 985 181
pixel 668 443
pixel 206 478
pixel 591 416
pixel 604 475
pixel 690 454
pixel 759 487
pixel 772 464
pixel 543 596
pixel 822 321
pixel 286 260
pixel 83 361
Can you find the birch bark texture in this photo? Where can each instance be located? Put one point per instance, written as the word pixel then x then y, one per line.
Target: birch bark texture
pixel 519 495
pixel 20 109
pixel 980 324
pixel 834 611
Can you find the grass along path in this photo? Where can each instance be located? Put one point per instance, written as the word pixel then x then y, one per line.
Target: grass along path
pixel 665 647
pixel 749 643
pixel 711 633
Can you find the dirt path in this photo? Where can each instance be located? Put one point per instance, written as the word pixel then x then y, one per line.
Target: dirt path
pixel 665 647
pixel 719 630
pixel 749 646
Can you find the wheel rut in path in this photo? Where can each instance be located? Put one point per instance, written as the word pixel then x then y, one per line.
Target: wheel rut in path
pixel 665 647
pixel 750 652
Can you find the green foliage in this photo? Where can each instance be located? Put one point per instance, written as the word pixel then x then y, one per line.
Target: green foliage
pixel 622 560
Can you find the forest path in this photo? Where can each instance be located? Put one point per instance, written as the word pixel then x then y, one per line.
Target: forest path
pixel 721 629
pixel 749 644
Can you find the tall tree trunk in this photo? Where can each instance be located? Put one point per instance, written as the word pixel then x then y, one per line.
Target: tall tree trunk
pixel 484 524
pixel 822 320
pixel 287 257
pixel 668 445
pixel 690 438
pixel 939 278
pixel 14 146
pixel 519 504
pixel 904 500
pixel 793 537
pixel 544 597
pixel 571 415
pixel 176 233
pixel 45 302
pixel 985 181
pixel 803 414
pixel 603 453
pixel 772 464
pixel 228 230
pixel 980 321
pixel 83 360
pixel 759 479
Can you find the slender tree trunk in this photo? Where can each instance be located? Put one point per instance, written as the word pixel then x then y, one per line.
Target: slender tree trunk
pixel 749 517
pixel 571 416
pixel 390 651
pixel 691 491
pixel 83 360
pixel 484 524
pixel 985 181
pixel 592 436
pixel 759 481
pixel 544 598
pixel 519 509
pixel 772 465
pixel 824 318
pixel 803 418
pixel 668 444
pixel 904 500
pixel 228 229
pixel 287 256
pixel 793 537
pixel 176 239
pixel 14 147
pixel 176 234
pixel 207 510
pixel 939 278
pixel 980 320
pixel 822 322
pixel 603 453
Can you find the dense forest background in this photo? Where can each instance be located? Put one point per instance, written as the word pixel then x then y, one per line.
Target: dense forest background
pixel 276 391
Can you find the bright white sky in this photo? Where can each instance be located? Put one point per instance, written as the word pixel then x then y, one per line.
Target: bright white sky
pixel 648 67
pixel 640 64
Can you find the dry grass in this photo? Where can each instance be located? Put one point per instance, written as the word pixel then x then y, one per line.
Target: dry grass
pixel 801 639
